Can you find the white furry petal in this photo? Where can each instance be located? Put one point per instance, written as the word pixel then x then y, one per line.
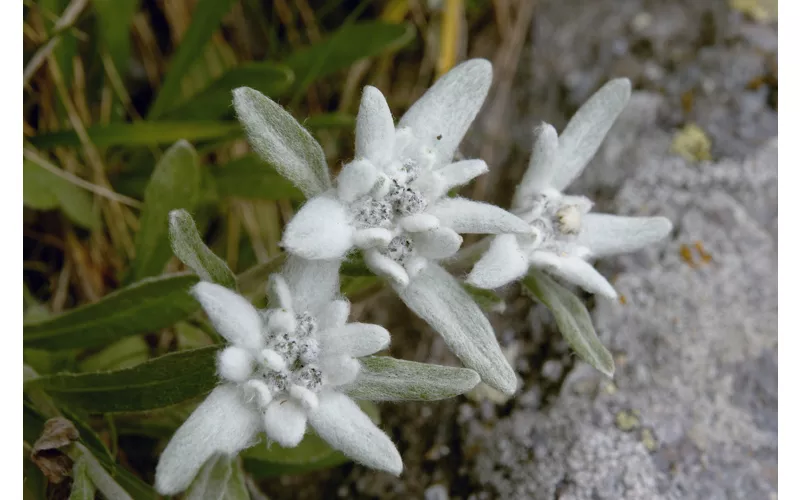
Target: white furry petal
pixel 334 314
pixel 278 292
pixel 314 283
pixel 221 424
pixel 231 314
pixel 285 422
pixel 320 230
pixel 339 369
pixel 235 364
pixel 419 222
pixel 503 263
pixel 356 179
pixel 584 133
pixel 468 216
pixel 605 234
pixel 340 422
pixel 441 117
pixel 541 167
pixel 574 270
pixel 372 237
pixel 437 244
pixel 461 172
pixel 355 339
pixel 374 128
pixel 386 267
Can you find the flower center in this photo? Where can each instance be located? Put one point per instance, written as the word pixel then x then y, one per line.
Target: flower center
pixel 400 201
pixel 400 249
pixel 299 350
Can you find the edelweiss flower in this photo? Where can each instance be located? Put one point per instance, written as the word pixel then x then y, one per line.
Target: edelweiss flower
pixel 565 233
pixel 280 373
pixel 391 200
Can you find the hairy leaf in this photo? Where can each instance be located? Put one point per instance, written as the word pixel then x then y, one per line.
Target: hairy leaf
pixel 175 183
pixel 222 478
pixel 190 249
pixel 160 382
pixel 44 190
pixel 383 378
pixel 144 306
pixel 572 318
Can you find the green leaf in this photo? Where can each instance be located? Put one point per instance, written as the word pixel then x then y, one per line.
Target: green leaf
pixel 44 190
pixel 114 18
pixel 282 142
pixel 160 382
pixel 330 121
pixel 82 486
pixel 145 133
pixel 252 281
pixel 382 378
pixel 175 183
pixel 220 477
pixel 215 100
pixel 144 306
pixel 190 249
pixel 487 299
pixel 572 318
pixel 124 353
pixel 313 453
pixel 346 46
pixel 206 19
pixel 250 177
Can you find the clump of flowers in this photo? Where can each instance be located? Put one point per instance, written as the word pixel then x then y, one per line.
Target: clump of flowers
pixel 299 363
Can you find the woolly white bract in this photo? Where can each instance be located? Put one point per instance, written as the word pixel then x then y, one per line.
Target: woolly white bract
pixel 564 232
pixel 390 201
pixel 279 374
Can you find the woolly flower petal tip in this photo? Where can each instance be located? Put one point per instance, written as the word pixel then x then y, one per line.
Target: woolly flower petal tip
pixel 282 372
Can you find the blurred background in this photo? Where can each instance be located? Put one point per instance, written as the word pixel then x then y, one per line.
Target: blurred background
pixel 110 85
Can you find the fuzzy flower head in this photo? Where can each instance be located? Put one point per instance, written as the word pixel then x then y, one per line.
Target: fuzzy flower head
pixel 564 231
pixel 281 372
pixel 390 201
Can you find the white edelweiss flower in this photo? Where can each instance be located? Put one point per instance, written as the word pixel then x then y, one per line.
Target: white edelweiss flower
pixel 565 232
pixel 390 201
pixel 279 374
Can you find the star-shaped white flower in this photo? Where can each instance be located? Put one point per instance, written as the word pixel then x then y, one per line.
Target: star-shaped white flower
pixel 565 232
pixel 279 374
pixel 390 201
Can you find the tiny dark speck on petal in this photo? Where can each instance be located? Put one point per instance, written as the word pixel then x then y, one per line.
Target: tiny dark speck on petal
pixel 439 137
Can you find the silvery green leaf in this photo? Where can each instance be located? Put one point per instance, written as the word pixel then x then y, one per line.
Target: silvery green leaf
pixel 282 142
pixel 175 183
pixel 572 318
pixel 82 486
pixel 221 478
pixel 438 298
pixel 383 378
pixel 190 249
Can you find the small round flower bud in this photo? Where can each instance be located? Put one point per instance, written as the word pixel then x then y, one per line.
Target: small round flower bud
pixel 235 364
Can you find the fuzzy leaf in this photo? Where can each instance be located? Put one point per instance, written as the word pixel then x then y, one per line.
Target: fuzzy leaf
pixel 282 142
pixel 250 177
pixel 572 318
pixel 382 378
pixel 175 183
pixel 438 298
pixel 144 306
pixel 124 353
pixel 44 190
pixel 221 478
pixel 215 100
pixel 190 249
pixel 82 486
pixel 160 382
